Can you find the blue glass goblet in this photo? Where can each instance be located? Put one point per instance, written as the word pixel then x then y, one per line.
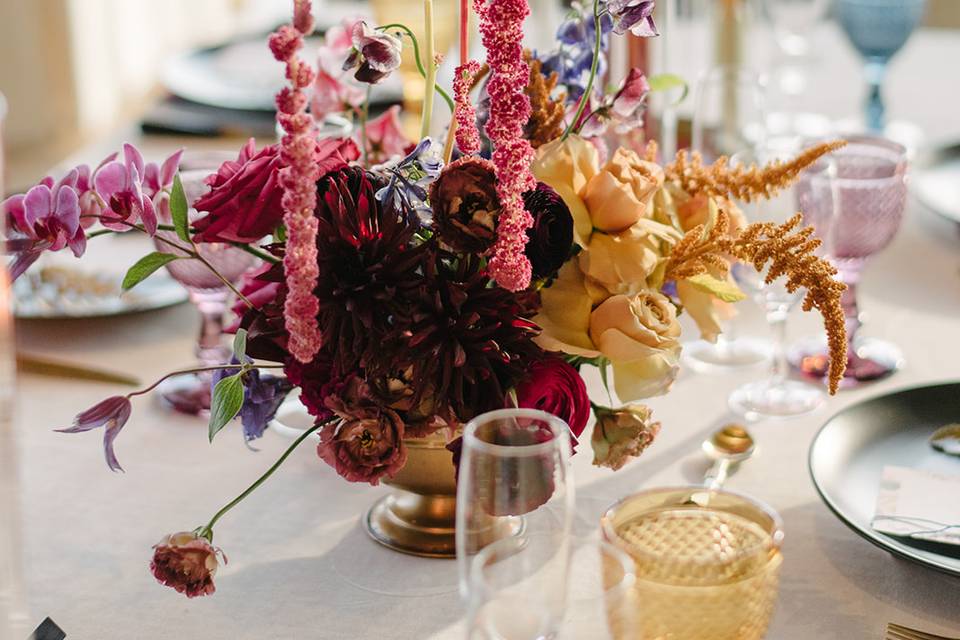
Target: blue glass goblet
pixel 878 29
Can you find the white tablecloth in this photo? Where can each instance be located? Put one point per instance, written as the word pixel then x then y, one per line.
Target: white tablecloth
pixel 300 564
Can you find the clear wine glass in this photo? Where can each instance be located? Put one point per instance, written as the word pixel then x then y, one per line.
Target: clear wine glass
pixel 855 199
pixel 729 115
pixel 878 29
pixel 190 393
pixel 514 478
pixel 529 588
pixel 778 395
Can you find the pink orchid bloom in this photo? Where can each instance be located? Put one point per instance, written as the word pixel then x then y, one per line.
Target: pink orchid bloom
pixel 47 218
pixel 157 181
pixel 385 137
pixel 120 185
pixel 333 92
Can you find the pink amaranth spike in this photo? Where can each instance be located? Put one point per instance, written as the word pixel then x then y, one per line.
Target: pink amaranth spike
pixel 501 31
pixel 298 177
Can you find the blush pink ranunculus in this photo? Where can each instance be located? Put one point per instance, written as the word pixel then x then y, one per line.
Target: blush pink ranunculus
pixel 186 562
pixel 554 386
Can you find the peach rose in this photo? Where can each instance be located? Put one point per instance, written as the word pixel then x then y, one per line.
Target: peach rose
pixel 622 192
pixel 624 262
pixel 567 166
pixel 640 335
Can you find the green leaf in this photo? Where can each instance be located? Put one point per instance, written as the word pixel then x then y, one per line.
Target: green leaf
pixel 240 344
pixel 226 402
pixel 144 267
pixel 604 368
pixel 723 289
pixel 668 81
pixel 178 209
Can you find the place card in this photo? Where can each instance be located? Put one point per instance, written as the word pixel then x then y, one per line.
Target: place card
pixel 918 504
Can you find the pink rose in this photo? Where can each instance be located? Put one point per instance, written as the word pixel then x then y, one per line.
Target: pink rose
pixel 187 563
pixel 243 204
pixel 556 387
pixel 366 443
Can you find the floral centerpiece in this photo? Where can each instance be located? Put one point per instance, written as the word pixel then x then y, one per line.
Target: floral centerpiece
pixel 407 286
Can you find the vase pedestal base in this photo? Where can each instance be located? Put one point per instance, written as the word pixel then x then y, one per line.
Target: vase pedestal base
pixel 420 525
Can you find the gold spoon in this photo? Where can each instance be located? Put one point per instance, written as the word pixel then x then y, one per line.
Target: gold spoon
pixel 946 439
pixel 727 446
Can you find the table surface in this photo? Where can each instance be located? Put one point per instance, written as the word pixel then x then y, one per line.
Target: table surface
pixel 300 564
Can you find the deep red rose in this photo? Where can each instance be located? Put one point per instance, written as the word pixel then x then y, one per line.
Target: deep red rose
pixel 187 563
pixel 243 204
pixel 554 386
pixel 260 291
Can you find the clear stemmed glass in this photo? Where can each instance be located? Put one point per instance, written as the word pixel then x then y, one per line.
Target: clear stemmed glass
pixel 792 21
pixel 855 200
pixel 729 115
pixel 777 396
pixel 878 29
pixel 707 562
pixel 528 588
pixel 514 478
pixel 190 393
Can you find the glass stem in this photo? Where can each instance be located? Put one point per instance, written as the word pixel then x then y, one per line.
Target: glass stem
pixel 777 319
pixel 851 314
pixel 875 71
pixel 210 350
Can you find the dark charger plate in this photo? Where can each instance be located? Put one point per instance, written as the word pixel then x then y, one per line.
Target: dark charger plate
pixel 850 451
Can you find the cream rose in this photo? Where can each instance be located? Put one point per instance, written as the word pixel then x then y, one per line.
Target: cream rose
pixel 640 336
pixel 621 193
pixel 624 262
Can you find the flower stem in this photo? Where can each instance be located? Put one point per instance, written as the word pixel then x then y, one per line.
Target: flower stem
pixel 464 31
pixel 215 367
pixel 431 79
pixel 585 98
pixel 416 56
pixel 263 255
pixel 364 116
pixel 207 531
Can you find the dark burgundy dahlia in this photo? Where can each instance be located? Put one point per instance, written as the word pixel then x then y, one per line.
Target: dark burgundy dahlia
pixel 468 342
pixel 368 266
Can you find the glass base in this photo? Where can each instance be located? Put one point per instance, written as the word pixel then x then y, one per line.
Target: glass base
pixel 187 393
pixel 874 360
pixel 775 399
pixel 708 357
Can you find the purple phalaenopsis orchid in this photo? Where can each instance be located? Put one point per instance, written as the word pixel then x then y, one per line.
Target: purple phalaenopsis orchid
pixel 46 218
pixel 112 414
pixel 635 16
pixel 157 180
pixel 120 185
pixel 376 53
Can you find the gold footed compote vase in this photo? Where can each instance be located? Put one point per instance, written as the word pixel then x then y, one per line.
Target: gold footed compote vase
pixel 419 518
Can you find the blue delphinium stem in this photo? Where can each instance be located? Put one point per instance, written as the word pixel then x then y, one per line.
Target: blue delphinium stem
pixel 875 71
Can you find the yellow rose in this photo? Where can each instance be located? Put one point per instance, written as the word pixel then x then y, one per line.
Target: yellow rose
pixel 567 166
pixel 621 193
pixel 624 262
pixel 639 334
pixel 707 310
pixel 564 317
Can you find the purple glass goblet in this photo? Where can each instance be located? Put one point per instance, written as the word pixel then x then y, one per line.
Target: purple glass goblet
pixel 855 199
pixel 190 393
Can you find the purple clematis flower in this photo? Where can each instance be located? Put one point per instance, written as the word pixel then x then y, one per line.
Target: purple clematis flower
pixel 121 187
pixel 376 53
pixel 157 181
pixel 262 395
pixel 635 16
pixel 112 413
